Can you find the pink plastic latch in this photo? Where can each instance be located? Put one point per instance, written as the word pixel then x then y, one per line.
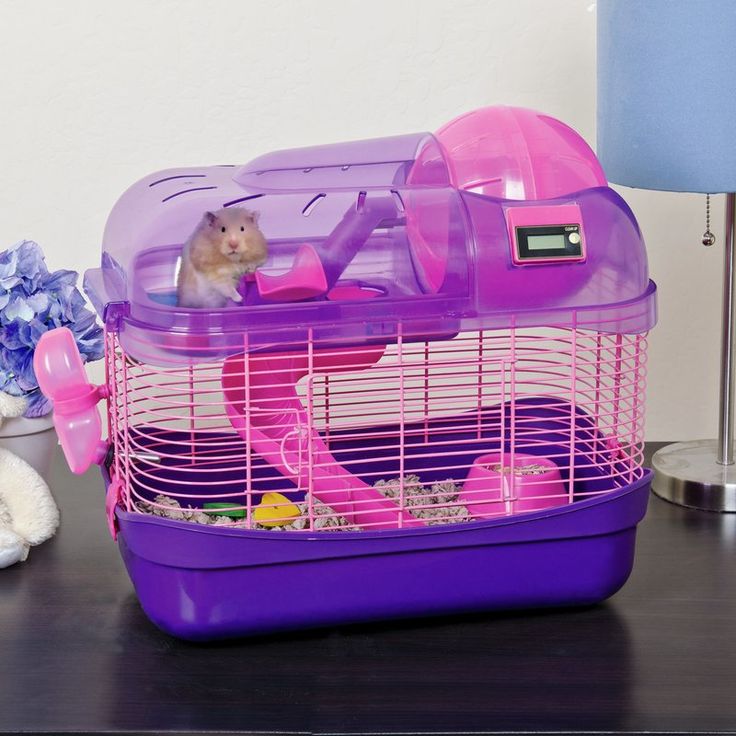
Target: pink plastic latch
pixel 112 498
pixel 614 448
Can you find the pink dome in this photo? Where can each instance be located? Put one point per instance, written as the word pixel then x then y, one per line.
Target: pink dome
pixel 515 153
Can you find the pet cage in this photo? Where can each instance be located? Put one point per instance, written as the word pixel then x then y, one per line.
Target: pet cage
pixel 430 400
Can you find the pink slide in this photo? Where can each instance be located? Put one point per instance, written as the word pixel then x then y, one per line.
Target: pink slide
pixel 305 280
pixel 279 430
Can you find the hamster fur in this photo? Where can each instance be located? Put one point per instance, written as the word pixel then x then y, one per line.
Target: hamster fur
pixel 225 245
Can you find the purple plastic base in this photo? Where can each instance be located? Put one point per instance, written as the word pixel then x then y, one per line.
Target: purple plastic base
pixel 204 583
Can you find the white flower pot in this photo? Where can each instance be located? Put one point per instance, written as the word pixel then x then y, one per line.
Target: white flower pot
pixel 33 440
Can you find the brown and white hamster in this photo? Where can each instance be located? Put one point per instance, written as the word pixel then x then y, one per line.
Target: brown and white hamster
pixel 225 245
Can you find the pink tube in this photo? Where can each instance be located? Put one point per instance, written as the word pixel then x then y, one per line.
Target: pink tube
pixel 280 430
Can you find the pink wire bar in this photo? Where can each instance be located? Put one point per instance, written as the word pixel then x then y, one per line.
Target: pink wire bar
pixel 558 410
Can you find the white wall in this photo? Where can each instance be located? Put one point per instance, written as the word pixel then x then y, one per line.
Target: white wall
pixel 96 94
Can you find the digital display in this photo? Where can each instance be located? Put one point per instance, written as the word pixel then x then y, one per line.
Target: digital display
pixel 546 242
pixel 549 243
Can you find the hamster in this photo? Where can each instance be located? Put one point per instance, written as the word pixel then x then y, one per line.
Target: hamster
pixel 225 245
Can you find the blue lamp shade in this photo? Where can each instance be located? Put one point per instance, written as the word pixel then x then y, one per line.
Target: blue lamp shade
pixel 667 94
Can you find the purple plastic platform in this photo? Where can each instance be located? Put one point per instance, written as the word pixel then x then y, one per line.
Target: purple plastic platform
pixel 201 582
pixel 204 583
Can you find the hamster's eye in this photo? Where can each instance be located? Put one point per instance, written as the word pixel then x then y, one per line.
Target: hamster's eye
pixel 242 229
pixel 223 229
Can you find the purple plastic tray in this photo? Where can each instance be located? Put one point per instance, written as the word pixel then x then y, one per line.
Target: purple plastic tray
pixel 203 583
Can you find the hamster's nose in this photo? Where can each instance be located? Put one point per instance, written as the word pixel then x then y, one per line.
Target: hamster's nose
pixel 233 244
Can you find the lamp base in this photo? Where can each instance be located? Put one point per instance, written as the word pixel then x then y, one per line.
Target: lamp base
pixel 687 474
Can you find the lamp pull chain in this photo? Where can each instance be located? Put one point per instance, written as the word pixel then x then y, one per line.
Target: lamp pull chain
pixel 708 237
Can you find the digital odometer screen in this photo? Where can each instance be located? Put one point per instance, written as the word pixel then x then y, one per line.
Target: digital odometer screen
pixel 546 242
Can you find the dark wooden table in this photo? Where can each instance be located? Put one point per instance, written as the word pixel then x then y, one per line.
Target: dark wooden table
pixel 77 653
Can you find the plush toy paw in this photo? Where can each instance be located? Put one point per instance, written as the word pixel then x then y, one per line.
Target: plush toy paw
pixel 28 513
pixel 12 547
pixel 11 406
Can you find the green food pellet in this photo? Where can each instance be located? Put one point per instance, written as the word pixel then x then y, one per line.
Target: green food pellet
pixel 228 510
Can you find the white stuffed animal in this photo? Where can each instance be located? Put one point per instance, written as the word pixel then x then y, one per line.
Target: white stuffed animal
pixel 28 514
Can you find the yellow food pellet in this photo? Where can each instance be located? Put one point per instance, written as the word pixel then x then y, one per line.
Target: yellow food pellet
pixel 275 510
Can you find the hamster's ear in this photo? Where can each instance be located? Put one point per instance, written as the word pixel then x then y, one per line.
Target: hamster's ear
pixel 253 216
pixel 210 218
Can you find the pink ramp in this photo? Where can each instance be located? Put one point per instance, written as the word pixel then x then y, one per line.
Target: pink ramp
pixel 305 280
pixel 279 430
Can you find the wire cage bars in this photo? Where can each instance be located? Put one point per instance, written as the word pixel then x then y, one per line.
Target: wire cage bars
pixel 409 431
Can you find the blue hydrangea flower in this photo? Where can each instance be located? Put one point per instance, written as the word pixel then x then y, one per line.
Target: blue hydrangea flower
pixel 32 301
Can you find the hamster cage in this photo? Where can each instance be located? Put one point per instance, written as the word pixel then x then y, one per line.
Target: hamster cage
pixel 430 400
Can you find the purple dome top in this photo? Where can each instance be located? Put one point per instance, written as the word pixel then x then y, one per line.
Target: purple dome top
pixel 503 217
